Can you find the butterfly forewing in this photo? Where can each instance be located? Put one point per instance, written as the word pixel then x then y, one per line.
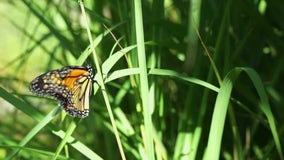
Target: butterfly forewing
pixel 70 85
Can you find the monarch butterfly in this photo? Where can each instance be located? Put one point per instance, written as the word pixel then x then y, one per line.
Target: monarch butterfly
pixel 71 85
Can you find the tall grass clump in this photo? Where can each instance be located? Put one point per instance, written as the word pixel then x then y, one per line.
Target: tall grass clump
pixel 180 80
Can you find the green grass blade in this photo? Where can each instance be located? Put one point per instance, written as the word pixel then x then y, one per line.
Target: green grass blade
pixel 113 59
pixel 21 105
pixel 34 131
pixel 144 88
pixel 220 111
pixel 219 116
pixel 79 146
pixel 265 107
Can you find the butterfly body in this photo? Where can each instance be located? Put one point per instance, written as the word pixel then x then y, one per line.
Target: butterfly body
pixel 72 86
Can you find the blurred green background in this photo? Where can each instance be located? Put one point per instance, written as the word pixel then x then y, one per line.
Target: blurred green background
pixel 37 36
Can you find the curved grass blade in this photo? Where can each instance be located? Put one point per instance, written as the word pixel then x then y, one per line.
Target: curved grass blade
pixel 220 111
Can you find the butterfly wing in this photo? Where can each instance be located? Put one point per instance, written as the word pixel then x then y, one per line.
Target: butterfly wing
pixel 72 86
pixel 79 84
